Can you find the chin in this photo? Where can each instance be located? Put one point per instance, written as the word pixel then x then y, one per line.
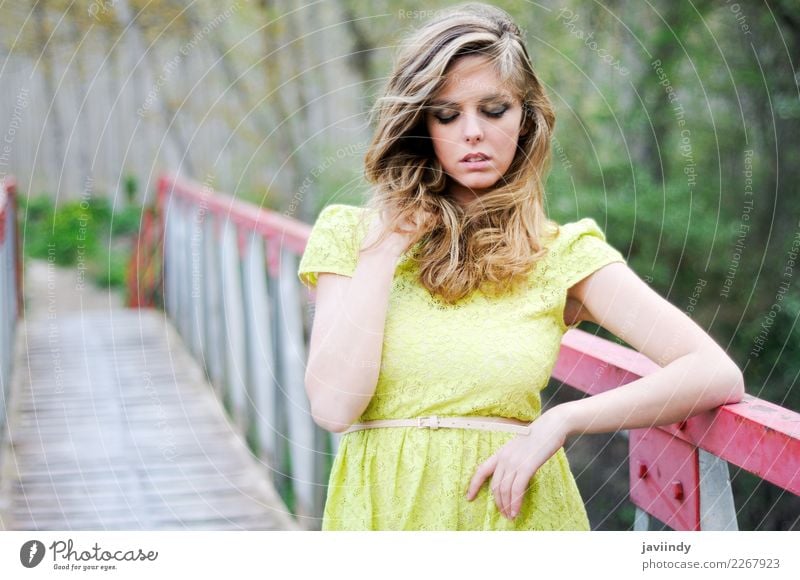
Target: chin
pixel 480 184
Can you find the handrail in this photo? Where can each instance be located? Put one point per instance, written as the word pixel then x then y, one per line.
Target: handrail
pixel 732 432
pixel 230 285
pixel 678 471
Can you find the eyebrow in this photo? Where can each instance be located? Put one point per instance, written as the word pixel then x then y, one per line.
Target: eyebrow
pixel 483 100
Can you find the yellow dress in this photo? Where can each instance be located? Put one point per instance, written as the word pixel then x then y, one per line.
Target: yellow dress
pixel 480 357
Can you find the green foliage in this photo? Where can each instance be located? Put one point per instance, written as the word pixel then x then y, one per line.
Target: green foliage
pixel 131 185
pixel 109 266
pixel 127 222
pixel 35 209
pixel 87 233
pixel 67 233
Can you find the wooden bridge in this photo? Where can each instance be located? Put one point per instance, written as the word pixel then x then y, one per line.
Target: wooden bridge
pixel 187 409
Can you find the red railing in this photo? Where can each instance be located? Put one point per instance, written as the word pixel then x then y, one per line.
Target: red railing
pixel 672 467
pixel 8 217
pixel 145 280
pixel 756 435
pixel 144 268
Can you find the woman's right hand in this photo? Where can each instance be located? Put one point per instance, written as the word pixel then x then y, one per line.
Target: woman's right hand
pixel 395 243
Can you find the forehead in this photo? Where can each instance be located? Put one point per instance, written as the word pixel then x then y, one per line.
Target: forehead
pixel 472 78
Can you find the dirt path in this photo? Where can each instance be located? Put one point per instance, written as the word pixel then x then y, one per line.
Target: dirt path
pixel 50 290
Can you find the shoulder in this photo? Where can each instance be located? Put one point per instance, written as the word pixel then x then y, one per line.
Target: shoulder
pixel 340 213
pixel 333 243
pixel 339 222
pixel 579 249
pixel 570 233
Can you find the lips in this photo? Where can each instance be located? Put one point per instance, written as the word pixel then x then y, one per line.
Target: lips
pixel 475 157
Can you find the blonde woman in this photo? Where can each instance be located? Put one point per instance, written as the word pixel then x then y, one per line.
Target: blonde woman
pixel 440 306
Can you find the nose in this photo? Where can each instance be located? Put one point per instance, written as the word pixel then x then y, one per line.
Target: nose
pixel 473 132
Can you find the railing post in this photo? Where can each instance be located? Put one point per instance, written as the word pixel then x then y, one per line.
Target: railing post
pixel 717 510
pixel 16 248
pixel 212 300
pixel 182 253
pixel 235 360
pixel 11 300
pixel 197 293
pixel 170 273
pixel 282 454
pixel 6 324
pixel 194 304
pixel 305 438
pixel 260 360
pixel 336 439
pixel 13 257
pixel 641 521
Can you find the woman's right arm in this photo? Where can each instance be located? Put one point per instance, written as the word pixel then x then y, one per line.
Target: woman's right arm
pixel 347 336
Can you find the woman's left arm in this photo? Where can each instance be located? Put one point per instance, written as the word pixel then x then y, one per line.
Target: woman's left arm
pixel 696 376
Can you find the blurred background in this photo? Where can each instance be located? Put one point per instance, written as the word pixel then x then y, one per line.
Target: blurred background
pixel 677 130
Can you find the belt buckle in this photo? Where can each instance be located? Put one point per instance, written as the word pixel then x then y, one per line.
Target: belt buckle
pixel 433 419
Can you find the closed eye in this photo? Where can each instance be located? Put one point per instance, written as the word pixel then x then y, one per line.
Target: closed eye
pixel 496 114
pixel 445 120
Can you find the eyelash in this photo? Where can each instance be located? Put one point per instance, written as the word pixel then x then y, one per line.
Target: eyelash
pixel 494 115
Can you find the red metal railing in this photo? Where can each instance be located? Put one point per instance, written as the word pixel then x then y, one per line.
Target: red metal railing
pixel 673 468
pixel 144 276
pixel 144 268
pixel 8 218
pixel 756 435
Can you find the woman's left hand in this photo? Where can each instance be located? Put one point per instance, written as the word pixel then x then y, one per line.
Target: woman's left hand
pixel 514 464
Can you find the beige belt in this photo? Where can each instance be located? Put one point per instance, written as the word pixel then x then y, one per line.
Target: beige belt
pixel 435 422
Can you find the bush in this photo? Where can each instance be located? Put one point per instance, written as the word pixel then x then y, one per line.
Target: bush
pixel 127 222
pixel 88 231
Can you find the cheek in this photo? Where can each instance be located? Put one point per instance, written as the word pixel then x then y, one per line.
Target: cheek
pixel 440 139
pixel 436 132
pixel 507 136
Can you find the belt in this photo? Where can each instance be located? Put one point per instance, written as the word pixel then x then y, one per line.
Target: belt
pixel 435 422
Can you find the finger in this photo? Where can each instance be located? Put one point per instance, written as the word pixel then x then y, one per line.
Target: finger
pixel 505 491
pixel 497 489
pixel 484 470
pixel 518 489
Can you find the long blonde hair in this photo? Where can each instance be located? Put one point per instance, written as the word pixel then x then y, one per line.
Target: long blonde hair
pixel 493 244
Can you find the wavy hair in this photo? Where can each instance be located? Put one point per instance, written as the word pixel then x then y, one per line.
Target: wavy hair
pixel 490 245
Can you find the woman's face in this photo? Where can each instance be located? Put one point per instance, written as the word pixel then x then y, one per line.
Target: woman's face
pixel 474 114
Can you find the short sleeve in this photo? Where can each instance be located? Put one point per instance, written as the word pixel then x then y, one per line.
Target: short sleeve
pixel 582 250
pixel 332 244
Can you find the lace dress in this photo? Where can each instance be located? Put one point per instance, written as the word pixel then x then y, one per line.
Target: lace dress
pixel 481 357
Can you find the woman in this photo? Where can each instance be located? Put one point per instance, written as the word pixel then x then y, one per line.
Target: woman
pixel 440 306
